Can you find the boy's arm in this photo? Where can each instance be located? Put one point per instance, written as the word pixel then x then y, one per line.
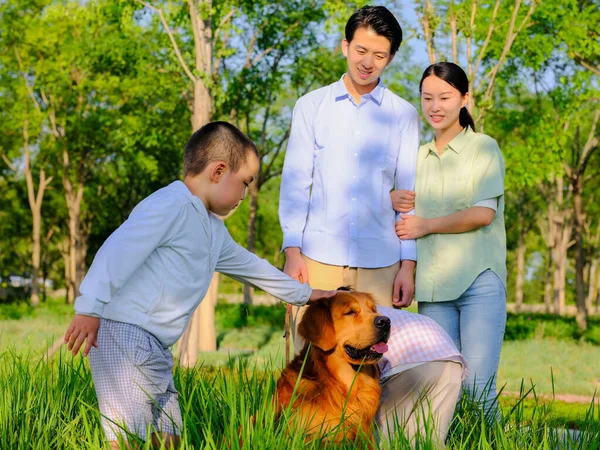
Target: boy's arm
pixel 297 175
pixel 242 265
pixel 406 173
pixel 123 253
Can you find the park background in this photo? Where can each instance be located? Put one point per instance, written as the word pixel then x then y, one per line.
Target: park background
pixel 97 100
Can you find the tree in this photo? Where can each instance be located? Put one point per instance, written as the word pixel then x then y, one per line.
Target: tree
pixel 219 50
pixel 484 32
pixel 15 96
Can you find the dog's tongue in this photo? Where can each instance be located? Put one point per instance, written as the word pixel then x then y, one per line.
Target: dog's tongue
pixel 380 347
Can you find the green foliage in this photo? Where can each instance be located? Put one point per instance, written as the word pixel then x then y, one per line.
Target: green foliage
pixel 521 327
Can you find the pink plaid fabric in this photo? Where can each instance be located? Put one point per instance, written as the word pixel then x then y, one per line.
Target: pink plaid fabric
pixel 415 338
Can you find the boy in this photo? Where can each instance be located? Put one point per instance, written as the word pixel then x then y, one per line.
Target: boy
pixel 351 143
pixel 151 274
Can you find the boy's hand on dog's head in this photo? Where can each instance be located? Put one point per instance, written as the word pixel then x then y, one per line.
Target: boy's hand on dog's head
pixel 82 328
pixel 318 294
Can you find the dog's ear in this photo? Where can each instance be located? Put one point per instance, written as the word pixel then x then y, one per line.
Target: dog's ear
pixel 345 288
pixel 316 325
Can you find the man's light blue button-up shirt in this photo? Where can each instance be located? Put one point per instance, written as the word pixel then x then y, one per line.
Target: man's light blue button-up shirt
pixel 342 161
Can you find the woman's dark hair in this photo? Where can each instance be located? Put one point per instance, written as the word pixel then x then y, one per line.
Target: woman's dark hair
pixel 455 77
pixel 380 20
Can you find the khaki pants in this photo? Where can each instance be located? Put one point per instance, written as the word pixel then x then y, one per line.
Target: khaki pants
pixel 379 282
pixel 419 398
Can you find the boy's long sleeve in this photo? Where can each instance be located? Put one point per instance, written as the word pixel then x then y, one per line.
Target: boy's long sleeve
pixel 123 253
pixel 242 265
pixel 297 176
pixel 406 174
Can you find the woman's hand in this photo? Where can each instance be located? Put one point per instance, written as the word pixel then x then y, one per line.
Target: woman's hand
pixel 403 201
pixel 412 227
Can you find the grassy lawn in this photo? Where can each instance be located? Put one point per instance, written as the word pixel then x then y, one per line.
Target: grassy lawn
pixel 256 336
pixel 572 367
pixel 226 388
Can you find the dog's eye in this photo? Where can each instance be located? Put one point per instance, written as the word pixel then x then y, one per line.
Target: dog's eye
pixel 350 313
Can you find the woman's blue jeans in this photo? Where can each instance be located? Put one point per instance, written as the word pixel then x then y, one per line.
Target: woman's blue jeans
pixel 476 322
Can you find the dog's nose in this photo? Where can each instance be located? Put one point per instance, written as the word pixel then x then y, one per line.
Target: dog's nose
pixel 382 323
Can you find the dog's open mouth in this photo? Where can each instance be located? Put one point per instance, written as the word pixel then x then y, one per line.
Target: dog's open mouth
pixel 373 352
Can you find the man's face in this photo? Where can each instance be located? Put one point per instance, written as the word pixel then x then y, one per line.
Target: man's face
pixel 367 55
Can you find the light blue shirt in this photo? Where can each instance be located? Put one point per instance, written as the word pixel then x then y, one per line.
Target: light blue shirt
pixel 342 161
pixel 155 269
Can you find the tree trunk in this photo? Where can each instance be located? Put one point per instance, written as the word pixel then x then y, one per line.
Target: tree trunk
pixel 548 284
pixel 35 257
pixel 63 247
pixel 202 106
pixel 561 230
pixel 35 204
pixel 520 266
pixel 251 245
pixel 200 334
pixel 73 198
pixel 582 314
pixel 592 286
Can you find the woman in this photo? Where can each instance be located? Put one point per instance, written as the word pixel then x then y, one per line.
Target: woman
pixel 459 224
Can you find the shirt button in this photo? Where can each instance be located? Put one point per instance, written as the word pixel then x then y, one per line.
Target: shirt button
pixel 353 199
pixel 355 153
pixel 354 176
pixel 352 224
pixel 357 132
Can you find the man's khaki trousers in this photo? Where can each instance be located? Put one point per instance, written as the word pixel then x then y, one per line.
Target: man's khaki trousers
pixel 419 399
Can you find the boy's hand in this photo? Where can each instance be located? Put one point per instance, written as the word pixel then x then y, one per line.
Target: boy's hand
pixel 82 328
pixel 295 266
pixel 403 201
pixel 318 294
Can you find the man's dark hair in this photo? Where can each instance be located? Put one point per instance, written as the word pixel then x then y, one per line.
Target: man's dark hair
pixel 216 141
pixel 380 20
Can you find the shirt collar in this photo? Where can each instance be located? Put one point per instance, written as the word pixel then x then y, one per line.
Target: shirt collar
pixel 340 91
pixel 456 144
pixel 180 186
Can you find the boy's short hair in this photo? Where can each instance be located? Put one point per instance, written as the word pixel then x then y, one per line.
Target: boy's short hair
pixel 216 141
pixel 380 20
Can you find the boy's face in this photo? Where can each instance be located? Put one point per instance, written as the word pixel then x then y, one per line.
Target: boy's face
pixel 367 55
pixel 231 187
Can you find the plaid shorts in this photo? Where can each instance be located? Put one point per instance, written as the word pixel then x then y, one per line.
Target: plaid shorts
pixel 132 373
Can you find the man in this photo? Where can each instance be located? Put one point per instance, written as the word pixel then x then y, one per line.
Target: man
pixel 351 143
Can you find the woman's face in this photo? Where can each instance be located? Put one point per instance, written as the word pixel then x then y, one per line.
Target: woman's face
pixel 441 103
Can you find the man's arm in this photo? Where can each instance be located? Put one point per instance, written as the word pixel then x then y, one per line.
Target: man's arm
pixel 406 173
pixel 123 253
pixel 297 175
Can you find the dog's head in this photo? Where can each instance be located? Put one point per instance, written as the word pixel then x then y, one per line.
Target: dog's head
pixel 349 325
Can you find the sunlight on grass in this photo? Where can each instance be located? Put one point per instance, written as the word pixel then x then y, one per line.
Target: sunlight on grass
pixel 576 366
pixel 54 406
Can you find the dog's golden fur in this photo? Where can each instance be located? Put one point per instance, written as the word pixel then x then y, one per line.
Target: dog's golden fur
pixel 339 384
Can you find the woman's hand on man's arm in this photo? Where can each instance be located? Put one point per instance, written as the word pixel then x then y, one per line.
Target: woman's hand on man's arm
pixel 414 227
pixel 403 200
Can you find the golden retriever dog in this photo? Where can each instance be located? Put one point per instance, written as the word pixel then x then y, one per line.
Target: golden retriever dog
pixel 339 383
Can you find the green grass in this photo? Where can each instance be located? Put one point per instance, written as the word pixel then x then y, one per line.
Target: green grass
pixel 575 366
pixel 34 329
pixel 53 406
pixel 255 334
